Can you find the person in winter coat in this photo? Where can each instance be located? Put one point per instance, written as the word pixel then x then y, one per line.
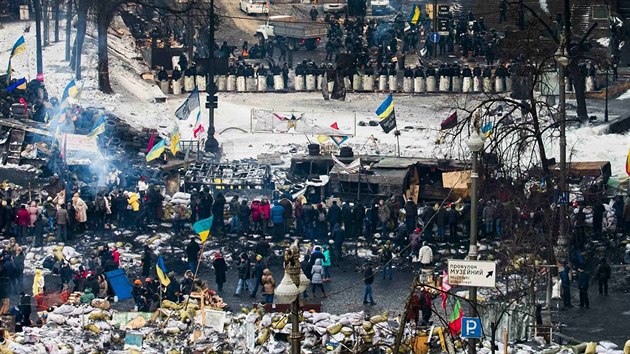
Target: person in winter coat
pixel 277 218
pixel 411 214
pixel 235 211
pixel 317 278
pixel 256 213
pixel 243 274
pixel 618 209
pixel 244 216
pixel 386 256
pixel 18 261
pixel 100 210
pixel 583 280
pixel 347 217
pixel 65 273
pixel 425 255
pixel 326 263
pixel 192 253
pixel 368 279
pixel 87 297
pixel 321 228
pixel 334 215
pixel 259 269
pixel 103 286
pixel 80 210
pixel 146 261
pixel 598 218
pixel 32 213
pixel 217 211
pixel 269 285
pixel 488 215
pixel 63 221
pixel 38 283
pixel 306 269
pixel 317 254
pixel 383 217
pixel 358 213
pixel 441 220
pixel 51 213
pixel 265 214
pixel 287 215
pixel 220 270
pixel 115 256
pixel 603 274
pixel 22 220
pixel 426 303
pixel 453 215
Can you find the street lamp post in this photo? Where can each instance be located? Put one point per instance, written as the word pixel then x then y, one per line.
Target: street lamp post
pixel 475 144
pixel 288 291
pixel 562 59
pixel 212 145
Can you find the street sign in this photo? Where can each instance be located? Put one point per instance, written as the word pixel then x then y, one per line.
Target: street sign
pixel 443 10
pixel 434 37
pixel 471 327
pixel 472 273
pixel 442 24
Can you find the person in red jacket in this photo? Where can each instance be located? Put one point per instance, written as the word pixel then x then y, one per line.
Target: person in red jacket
pixel 256 215
pixel 22 220
pixel 265 211
pixel 116 256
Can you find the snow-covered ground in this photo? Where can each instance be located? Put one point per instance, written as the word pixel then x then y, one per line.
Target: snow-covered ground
pixel 418 117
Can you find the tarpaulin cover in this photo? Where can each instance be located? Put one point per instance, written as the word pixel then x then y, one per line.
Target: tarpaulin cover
pixel 120 284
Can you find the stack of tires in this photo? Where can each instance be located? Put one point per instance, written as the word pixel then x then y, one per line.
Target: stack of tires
pixel 18 111
pixel 346 151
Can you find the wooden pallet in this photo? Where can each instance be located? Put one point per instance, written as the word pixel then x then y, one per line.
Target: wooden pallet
pixel 16 140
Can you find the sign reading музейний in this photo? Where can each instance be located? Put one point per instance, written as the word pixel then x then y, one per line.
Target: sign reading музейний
pixel 472 273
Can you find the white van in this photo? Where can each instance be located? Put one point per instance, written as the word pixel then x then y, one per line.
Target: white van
pixel 251 7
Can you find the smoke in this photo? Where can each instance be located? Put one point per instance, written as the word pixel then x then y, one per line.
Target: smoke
pixel 543 6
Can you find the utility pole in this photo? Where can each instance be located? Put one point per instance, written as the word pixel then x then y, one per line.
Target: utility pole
pixel 68 29
pixel 56 11
pixel 212 145
pixel 38 36
pixel 521 16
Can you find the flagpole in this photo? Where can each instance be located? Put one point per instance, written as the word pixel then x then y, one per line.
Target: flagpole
pixel 397 133
pixel 203 245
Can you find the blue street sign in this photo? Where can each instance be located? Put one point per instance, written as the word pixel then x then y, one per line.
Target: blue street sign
pixel 471 327
pixel 434 37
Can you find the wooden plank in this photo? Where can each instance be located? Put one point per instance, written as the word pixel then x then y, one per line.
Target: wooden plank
pixel 15 124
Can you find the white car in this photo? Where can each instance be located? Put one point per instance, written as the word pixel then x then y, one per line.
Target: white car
pixel 251 7
pixel 335 7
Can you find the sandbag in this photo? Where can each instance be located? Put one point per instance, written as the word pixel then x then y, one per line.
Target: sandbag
pixel 382 82
pixel 590 348
pixel 231 83
pixel 431 84
pixel 368 83
pixel 626 347
pixel 419 85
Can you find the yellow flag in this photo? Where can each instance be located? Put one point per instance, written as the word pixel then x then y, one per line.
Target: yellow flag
pixel 175 143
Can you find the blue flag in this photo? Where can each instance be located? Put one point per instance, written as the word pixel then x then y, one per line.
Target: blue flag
pixel 98 127
pixel 20 85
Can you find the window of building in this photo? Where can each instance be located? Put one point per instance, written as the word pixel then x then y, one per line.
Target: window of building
pixel 599 12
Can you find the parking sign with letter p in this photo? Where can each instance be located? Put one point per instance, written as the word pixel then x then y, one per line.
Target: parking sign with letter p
pixel 471 327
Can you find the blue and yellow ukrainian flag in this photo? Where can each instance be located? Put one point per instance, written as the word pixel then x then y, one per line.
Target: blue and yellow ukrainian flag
pixel 71 90
pixel 19 85
pixel 18 47
pixel 487 129
pixel 387 115
pixel 202 228
pixel 414 16
pixel 156 151
pixel 98 128
pixel 160 268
